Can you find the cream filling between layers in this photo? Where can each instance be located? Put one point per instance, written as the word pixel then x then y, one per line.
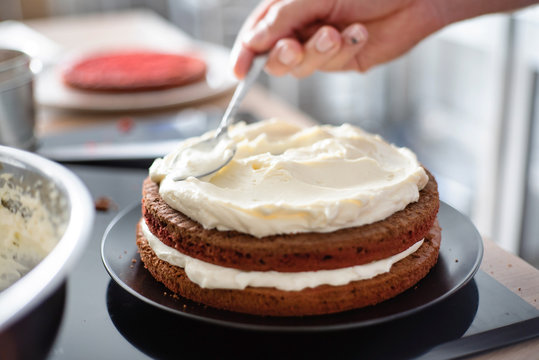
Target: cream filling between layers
pixel 212 276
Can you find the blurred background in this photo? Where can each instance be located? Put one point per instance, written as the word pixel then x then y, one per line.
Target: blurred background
pixel 465 100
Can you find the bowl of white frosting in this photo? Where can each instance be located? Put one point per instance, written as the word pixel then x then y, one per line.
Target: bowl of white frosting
pixel 46 216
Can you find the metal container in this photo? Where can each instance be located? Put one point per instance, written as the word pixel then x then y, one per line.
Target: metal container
pixel 31 308
pixel 17 114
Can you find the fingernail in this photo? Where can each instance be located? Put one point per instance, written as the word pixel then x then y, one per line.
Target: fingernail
pixel 355 34
pixel 287 56
pixel 324 42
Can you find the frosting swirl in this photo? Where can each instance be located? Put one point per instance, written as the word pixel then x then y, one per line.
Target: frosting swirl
pixel 288 179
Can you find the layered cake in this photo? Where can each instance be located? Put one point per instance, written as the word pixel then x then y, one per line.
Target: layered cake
pixel 302 221
pixel 134 71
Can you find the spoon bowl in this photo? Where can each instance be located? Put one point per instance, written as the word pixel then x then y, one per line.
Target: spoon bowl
pixel 205 157
pixel 211 155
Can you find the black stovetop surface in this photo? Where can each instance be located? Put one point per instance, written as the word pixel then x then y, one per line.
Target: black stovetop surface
pixel 102 321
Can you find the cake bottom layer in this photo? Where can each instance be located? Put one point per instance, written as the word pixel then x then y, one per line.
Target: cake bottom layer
pixel 324 299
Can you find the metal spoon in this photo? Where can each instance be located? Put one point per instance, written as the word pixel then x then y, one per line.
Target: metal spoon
pixel 206 146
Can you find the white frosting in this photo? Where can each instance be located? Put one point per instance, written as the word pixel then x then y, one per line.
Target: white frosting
pixel 288 179
pixel 196 157
pixel 212 276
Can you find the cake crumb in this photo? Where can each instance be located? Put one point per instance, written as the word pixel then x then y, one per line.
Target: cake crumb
pixel 133 261
pixel 509 265
pixel 519 289
pixel 104 203
pixel 456 260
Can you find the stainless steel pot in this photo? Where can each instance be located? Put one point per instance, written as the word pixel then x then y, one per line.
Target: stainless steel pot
pixel 17 115
pixel 30 307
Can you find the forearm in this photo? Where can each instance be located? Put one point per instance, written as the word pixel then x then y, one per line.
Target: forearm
pixel 451 11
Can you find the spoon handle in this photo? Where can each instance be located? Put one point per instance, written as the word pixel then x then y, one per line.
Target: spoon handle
pixel 256 67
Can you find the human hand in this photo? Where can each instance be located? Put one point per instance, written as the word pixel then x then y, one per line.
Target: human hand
pixel 303 36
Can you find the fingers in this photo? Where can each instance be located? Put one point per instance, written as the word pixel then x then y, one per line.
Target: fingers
pixel 326 50
pixel 286 55
pixel 354 38
pixel 319 49
pixel 271 21
pixel 299 44
pixel 241 56
pixel 241 59
pixel 281 19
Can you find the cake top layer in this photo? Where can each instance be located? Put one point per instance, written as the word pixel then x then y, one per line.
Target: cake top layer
pixel 288 179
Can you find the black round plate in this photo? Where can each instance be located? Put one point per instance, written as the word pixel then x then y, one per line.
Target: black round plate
pixel 460 256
